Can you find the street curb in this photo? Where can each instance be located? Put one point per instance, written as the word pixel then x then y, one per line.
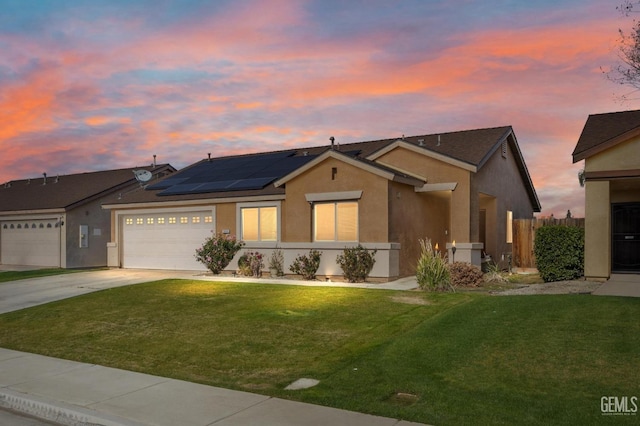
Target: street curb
pixel 55 411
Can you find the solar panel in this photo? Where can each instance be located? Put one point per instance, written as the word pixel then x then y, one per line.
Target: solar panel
pixel 256 183
pixel 167 183
pixel 232 173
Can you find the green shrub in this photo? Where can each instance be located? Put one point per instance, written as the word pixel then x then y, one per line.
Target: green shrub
pixel 356 263
pixel 276 261
pixel 432 272
pixel 307 266
pixel 217 251
pixel 251 263
pixel 559 252
pixel 464 274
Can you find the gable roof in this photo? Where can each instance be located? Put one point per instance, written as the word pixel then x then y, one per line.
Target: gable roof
pixel 67 191
pixel 603 131
pixel 365 164
pixel 264 174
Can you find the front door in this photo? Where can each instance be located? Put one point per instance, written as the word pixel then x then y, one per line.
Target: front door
pixel 625 222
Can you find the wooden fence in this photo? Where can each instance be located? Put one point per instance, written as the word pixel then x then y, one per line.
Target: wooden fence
pixel 524 234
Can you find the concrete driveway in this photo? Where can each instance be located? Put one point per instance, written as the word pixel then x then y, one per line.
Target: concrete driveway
pixel 22 294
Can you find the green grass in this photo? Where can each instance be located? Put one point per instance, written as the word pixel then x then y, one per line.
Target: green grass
pixel 6 276
pixel 458 358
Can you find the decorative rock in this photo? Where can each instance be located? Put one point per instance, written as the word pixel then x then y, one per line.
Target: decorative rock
pixel 302 384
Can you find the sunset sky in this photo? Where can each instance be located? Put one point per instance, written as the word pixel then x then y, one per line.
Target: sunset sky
pixel 96 85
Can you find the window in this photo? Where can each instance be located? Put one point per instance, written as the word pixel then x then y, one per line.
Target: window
pixel 259 223
pixel 195 219
pixel 149 221
pixel 336 221
pixel 208 219
pixel 172 219
pixel 139 221
pixel 161 221
pixel 128 221
pixel 184 219
pixel 509 226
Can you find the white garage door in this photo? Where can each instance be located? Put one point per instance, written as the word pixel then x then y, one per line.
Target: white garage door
pixel 30 242
pixel 164 241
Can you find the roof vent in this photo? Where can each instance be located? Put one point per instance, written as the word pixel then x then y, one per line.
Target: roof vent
pixel 305 153
pixel 209 155
pixel 44 181
pixel 57 178
pixel 332 139
pixel 420 142
pixel 438 140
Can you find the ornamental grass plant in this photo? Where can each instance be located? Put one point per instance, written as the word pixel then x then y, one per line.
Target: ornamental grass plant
pixel 432 272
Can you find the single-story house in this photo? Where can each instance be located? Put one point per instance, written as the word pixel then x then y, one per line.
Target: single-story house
pixel 59 221
pixel 387 194
pixel 610 147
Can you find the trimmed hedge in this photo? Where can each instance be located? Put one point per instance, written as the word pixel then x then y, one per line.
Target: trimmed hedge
pixel 559 252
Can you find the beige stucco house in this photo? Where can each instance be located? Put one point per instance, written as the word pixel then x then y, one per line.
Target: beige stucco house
pixel 610 147
pixel 385 195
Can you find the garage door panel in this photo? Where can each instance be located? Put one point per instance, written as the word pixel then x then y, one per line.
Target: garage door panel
pixel 165 241
pixel 32 243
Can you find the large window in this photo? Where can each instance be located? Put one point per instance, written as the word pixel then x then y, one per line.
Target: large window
pixel 336 221
pixel 259 223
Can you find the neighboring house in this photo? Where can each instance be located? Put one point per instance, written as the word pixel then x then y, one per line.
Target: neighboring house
pixel 385 195
pixel 58 221
pixel 610 147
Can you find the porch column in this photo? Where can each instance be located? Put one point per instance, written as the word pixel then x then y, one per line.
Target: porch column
pixel 597 232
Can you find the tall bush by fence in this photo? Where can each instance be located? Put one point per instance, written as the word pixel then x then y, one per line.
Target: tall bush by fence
pixel 524 235
pixel 560 252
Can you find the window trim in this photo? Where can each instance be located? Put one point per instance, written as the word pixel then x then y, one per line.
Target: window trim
pixel 335 212
pixel 276 204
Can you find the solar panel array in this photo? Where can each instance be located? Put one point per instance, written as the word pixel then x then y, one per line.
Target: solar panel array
pixel 248 172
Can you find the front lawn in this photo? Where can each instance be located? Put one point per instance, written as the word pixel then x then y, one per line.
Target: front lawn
pixel 435 358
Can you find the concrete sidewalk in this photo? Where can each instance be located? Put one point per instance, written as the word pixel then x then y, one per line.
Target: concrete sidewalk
pixel 627 285
pixel 73 393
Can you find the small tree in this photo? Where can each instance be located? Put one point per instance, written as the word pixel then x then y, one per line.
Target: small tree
pixel 307 266
pixel 356 263
pixel 217 251
pixel 627 72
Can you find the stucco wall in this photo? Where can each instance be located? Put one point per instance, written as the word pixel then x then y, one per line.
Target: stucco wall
pixel 373 212
pixel 99 223
pixel 414 216
pixel 623 156
pixel 599 194
pixel 226 218
pixel 436 171
pixel 500 178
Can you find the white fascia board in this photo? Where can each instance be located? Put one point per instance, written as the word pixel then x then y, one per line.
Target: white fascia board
pixel 204 201
pixel 337 156
pixel 432 187
pixel 425 152
pixel 333 196
pixel 32 212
